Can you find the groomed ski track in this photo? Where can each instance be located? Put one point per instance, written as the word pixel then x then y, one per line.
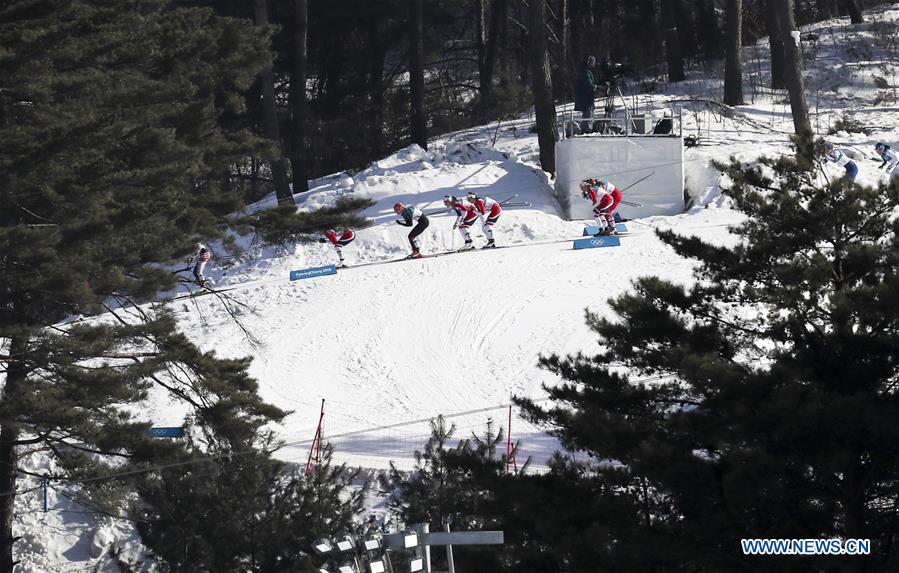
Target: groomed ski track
pixel 385 343
pixel 231 288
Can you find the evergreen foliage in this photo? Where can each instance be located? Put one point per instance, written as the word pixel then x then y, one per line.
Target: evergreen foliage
pixel 110 131
pixel 286 223
pixel 568 521
pixel 478 66
pixel 428 494
pixel 760 402
pixel 452 484
pixel 109 116
pixel 247 513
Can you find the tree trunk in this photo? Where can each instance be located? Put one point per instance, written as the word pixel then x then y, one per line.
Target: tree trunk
pixel 9 459
pixel 602 15
pixel 793 76
pixel 576 35
pixel 709 30
pixel 332 58
pixel 376 58
pixel 686 28
pixel 584 19
pixel 497 17
pixel 270 118
pixel 486 44
pixel 733 67
pixel 298 99
pixel 544 107
pixel 672 43
pixel 853 502
pixel 2 111
pixel 567 64
pixel 651 38
pixel 855 13
pixel 776 44
pixel 9 455
pixel 418 127
pixel 826 8
pixel 481 8
pixel 504 43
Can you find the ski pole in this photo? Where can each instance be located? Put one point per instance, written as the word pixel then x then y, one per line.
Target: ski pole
pixel 638 181
pixel 503 202
pixel 632 204
pixel 826 178
pixel 644 224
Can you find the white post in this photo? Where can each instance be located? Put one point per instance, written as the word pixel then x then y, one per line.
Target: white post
pixel 449 554
pixel 423 529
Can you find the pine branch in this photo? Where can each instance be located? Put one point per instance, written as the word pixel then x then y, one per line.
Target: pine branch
pixel 27 442
pixel 82 448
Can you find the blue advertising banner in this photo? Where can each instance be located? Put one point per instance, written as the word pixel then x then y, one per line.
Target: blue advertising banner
pixel 597 242
pixel 313 272
pixel 166 432
pixel 593 229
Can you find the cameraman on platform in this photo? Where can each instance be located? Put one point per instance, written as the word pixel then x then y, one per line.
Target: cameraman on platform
pixel 584 92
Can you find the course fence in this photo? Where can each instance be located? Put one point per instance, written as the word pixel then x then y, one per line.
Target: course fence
pixel 377 447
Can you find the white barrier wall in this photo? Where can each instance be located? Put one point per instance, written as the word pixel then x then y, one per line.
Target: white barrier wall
pixel 623 161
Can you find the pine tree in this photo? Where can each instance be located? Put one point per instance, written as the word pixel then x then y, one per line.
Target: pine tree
pixel 792 70
pixel 277 163
pixel 426 495
pixel 733 66
pixel 246 513
pixel 544 106
pixel 855 13
pixel 286 223
pixel 567 520
pixel 418 129
pixel 709 30
pixel 453 483
pixel 298 104
pixel 672 42
pixel 761 399
pixel 109 116
pixel 775 45
pixel 826 8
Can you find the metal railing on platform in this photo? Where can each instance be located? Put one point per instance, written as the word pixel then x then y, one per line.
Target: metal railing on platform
pixel 625 124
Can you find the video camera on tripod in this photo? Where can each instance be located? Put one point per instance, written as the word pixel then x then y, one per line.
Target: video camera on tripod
pixel 614 71
pixel 610 73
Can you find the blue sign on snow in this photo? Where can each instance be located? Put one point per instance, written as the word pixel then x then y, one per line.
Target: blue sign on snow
pixel 313 272
pixel 593 229
pixel 166 432
pixel 597 242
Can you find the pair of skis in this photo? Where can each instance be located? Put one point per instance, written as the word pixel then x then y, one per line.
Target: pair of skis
pixel 507 202
pixel 413 258
pixel 206 287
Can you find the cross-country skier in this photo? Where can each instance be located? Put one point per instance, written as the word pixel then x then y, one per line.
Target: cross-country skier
pixel 339 242
pixel 410 215
pixel 466 215
pixel 605 197
pixel 489 210
pixel 890 159
pixel 833 155
pixel 199 259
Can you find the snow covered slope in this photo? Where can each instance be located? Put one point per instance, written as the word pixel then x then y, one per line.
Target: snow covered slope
pixel 406 340
pixel 385 344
